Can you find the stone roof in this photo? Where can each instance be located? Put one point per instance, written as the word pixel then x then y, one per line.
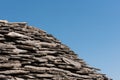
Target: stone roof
pixel 28 53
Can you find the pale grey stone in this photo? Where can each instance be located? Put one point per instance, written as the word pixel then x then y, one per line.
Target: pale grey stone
pixel 14 34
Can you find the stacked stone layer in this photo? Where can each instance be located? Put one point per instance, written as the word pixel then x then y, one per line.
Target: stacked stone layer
pixel 28 53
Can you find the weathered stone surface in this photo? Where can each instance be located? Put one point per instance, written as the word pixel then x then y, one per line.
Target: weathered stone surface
pixel 6 46
pixel 71 62
pixel 15 72
pixel 16 35
pixel 28 53
pixel 10 65
pixel 19 51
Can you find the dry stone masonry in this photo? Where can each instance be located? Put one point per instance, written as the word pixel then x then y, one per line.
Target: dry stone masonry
pixel 28 53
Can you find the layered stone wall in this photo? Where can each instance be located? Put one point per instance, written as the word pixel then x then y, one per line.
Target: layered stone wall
pixel 28 53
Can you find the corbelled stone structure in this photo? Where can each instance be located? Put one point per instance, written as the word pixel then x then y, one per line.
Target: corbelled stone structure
pixel 28 53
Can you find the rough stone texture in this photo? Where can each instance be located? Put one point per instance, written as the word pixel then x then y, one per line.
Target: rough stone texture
pixel 28 53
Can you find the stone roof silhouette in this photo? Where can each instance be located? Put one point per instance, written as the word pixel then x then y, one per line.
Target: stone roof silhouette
pixel 28 53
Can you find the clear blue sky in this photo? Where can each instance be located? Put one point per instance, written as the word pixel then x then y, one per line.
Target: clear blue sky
pixel 91 28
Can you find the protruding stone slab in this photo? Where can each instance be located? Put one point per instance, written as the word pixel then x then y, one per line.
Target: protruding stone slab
pixel 10 72
pixel 6 46
pixel 44 75
pixel 71 62
pixel 10 65
pixel 16 35
pixel 3 21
